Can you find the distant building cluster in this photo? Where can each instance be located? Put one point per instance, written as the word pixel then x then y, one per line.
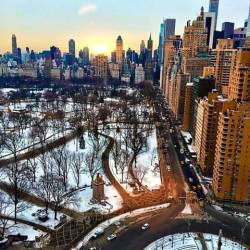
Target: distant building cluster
pixel 126 66
pixel 205 77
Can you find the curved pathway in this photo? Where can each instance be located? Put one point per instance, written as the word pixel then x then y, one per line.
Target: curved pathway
pixel 127 199
pixel 37 151
pixel 29 223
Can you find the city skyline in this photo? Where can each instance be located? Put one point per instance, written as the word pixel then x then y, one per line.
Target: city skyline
pixel 98 21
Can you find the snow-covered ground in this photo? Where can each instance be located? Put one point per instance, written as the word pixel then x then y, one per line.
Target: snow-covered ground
pixel 24 230
pixel 32 209
pixel 113 199
pixel 191 241
pixel 147 161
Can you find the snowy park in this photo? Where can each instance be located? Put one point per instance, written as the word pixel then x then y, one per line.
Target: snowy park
pixel 52 153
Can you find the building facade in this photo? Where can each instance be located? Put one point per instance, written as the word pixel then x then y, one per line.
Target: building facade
pixel 224 54
pixel 231 176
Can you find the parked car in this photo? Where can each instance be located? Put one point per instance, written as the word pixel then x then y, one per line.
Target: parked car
pixel 145 226
pixel 97 233
pixel 112 237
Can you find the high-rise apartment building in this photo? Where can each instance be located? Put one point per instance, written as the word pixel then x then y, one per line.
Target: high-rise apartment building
pixel 239 37
pixel 72 47
pixel 239 84
pixel 179 95
pixel 195 65
pixel 201 86
pixel 100 63
pixel 224 54
pixel 14 46
pixel 214 7
pixel 114 70
pixel 231 176
pixel 206 129
pixel 139 74
pixel 171 47
pixel 187 106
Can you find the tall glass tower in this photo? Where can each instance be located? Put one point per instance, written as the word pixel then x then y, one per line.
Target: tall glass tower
pixel 248 24
pixel 214 7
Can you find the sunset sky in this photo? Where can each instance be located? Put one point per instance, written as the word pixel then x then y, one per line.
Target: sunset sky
pixel 96 23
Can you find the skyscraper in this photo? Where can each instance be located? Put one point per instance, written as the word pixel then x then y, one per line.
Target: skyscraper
pixel 195 37
pixel 228 29
pixel 161 44
pixel 14 46
pixel 169 27
pixel 142 46
pixel 209 22
pixel 119 50
pixel 214 7
pixel 85 55
pixel 248 24
pixel 150 46
pixel 72 47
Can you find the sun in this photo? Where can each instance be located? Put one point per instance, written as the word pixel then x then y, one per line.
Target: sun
pixel 100 49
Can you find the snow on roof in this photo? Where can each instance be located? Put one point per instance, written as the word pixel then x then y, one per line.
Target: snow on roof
pixel 191 150
pixel 187 137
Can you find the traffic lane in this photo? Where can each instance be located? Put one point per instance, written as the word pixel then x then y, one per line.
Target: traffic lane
pixel 177 171
pixel 189 173
pixel 138 240
pixel 135 238
pixel 230 221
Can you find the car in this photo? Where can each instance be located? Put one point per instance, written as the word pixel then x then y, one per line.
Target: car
pixel 112 237
pixel 145 226
pixel 98 233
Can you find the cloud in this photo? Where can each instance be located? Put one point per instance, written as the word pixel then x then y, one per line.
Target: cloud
pixel 85 9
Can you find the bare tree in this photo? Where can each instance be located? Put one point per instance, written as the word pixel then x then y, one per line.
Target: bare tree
pixel 76 163
pixel 92 164
pixel 140 172
pixel 59 197
pixel 116 151
pixel 97 143
pixel 33 166
pixel 123 163
pixel 43 189
pixel 18 174
pixel 6 211
pixel 19 178
pixel 137 143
